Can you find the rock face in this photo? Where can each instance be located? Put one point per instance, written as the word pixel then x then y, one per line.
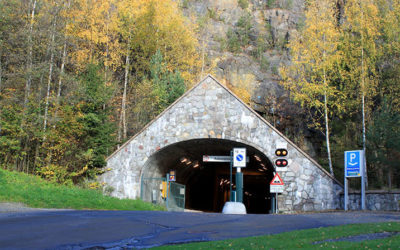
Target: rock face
pixel 255 63
pixel 210 111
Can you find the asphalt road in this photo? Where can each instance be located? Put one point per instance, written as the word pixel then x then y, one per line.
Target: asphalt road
pixel 144 229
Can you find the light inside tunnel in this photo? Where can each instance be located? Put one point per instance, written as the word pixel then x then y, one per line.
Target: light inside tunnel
pixel 208 183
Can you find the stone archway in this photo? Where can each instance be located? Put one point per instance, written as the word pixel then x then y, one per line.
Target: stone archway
pixel 207 183
pixel 210 111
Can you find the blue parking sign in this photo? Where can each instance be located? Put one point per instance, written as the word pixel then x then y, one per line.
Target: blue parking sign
pixel 353 162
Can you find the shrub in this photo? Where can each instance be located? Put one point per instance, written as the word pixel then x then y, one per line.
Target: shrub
pixel 243 4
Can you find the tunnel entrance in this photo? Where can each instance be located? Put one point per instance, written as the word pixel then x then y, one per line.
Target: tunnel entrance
pixel 207 183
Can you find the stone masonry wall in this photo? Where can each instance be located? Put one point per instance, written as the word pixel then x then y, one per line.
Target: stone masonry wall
pixel 209 110
pixel 375 200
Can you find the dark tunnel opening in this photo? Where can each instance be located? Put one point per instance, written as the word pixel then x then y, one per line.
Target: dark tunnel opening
pixel 207 183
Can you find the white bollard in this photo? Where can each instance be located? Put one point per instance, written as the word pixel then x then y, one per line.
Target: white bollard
pixel 231 207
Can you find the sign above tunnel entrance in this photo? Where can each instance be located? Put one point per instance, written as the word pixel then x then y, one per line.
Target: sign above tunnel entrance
pixel 239 157
pixel 219 158
pixel 216 158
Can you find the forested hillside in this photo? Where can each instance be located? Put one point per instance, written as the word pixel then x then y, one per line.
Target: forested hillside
pixel 79 77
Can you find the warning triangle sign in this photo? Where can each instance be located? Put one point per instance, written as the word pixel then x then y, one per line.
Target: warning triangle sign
pixel 276 180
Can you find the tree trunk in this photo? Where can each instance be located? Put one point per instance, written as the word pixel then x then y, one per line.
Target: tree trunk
pixel 1 70
pixel 1 76
pixel 363 98
pixel 390 173
pixel 49 78
pixel 380 178
pixel 122 123
pixel 24 140
pixel 107 44
pixel 30 55
pixel 122 130
pixel 64 56
pixel 61 77
pixel 328 147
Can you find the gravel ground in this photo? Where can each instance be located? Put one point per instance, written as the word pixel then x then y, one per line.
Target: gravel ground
pixel 16 207
pixel 8 207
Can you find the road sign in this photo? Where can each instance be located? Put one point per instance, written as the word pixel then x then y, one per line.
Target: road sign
pixel 276 181
pixel 172 175
pixel 354 166
pixel 275 189
pixel 219 158
pixel 353 162
pixel 239 157
pixel 276 185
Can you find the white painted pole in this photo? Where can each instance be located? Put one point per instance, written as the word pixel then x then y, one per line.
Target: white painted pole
pixel 346 194
pixel 363 207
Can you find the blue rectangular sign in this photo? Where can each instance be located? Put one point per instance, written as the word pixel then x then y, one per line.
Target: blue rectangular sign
pixel 353 163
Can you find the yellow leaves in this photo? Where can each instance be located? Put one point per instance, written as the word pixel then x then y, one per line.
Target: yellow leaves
pixel 160 25
pixel 95 185
pixel 242 87
pixel 315 57
pixel 104 30
pixel 54 173
pixel 92 28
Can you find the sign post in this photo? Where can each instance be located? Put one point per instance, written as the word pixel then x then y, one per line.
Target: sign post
pixel 230 179
pixel 354 167
pixel 276 186
pixel 239 161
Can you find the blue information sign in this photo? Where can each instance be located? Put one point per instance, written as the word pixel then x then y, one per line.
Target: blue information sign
pixel 353 162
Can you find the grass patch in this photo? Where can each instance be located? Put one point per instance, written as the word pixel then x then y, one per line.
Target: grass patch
pixel 306 238
pixel 36 192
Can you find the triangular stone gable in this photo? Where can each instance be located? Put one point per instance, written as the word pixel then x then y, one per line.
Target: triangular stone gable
pixel 210 110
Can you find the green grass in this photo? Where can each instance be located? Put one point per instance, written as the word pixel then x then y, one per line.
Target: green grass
pixel 305 239
pixel 36 192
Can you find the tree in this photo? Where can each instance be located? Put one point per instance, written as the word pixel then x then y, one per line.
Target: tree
pixel 163 87
pixel 127 12
pixel 383 137
pixel 56 113
pixel 97 129
pixel 389 67
pixel 359 37
pixel 92 31
pixel 311 76
pixel 162 26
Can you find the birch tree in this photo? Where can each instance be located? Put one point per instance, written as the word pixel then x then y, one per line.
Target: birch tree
pixel 359 47
pixel 314 58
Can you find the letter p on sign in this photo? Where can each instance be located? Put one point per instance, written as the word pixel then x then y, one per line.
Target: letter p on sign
pixel 352 157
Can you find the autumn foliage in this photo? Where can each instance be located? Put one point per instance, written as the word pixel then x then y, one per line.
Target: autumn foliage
pixel 75 74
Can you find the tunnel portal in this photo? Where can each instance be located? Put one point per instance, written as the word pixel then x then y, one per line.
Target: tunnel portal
pixel 210 120
pixel 208 183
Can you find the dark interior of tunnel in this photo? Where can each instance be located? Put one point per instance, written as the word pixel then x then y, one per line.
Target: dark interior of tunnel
pixel 207 183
